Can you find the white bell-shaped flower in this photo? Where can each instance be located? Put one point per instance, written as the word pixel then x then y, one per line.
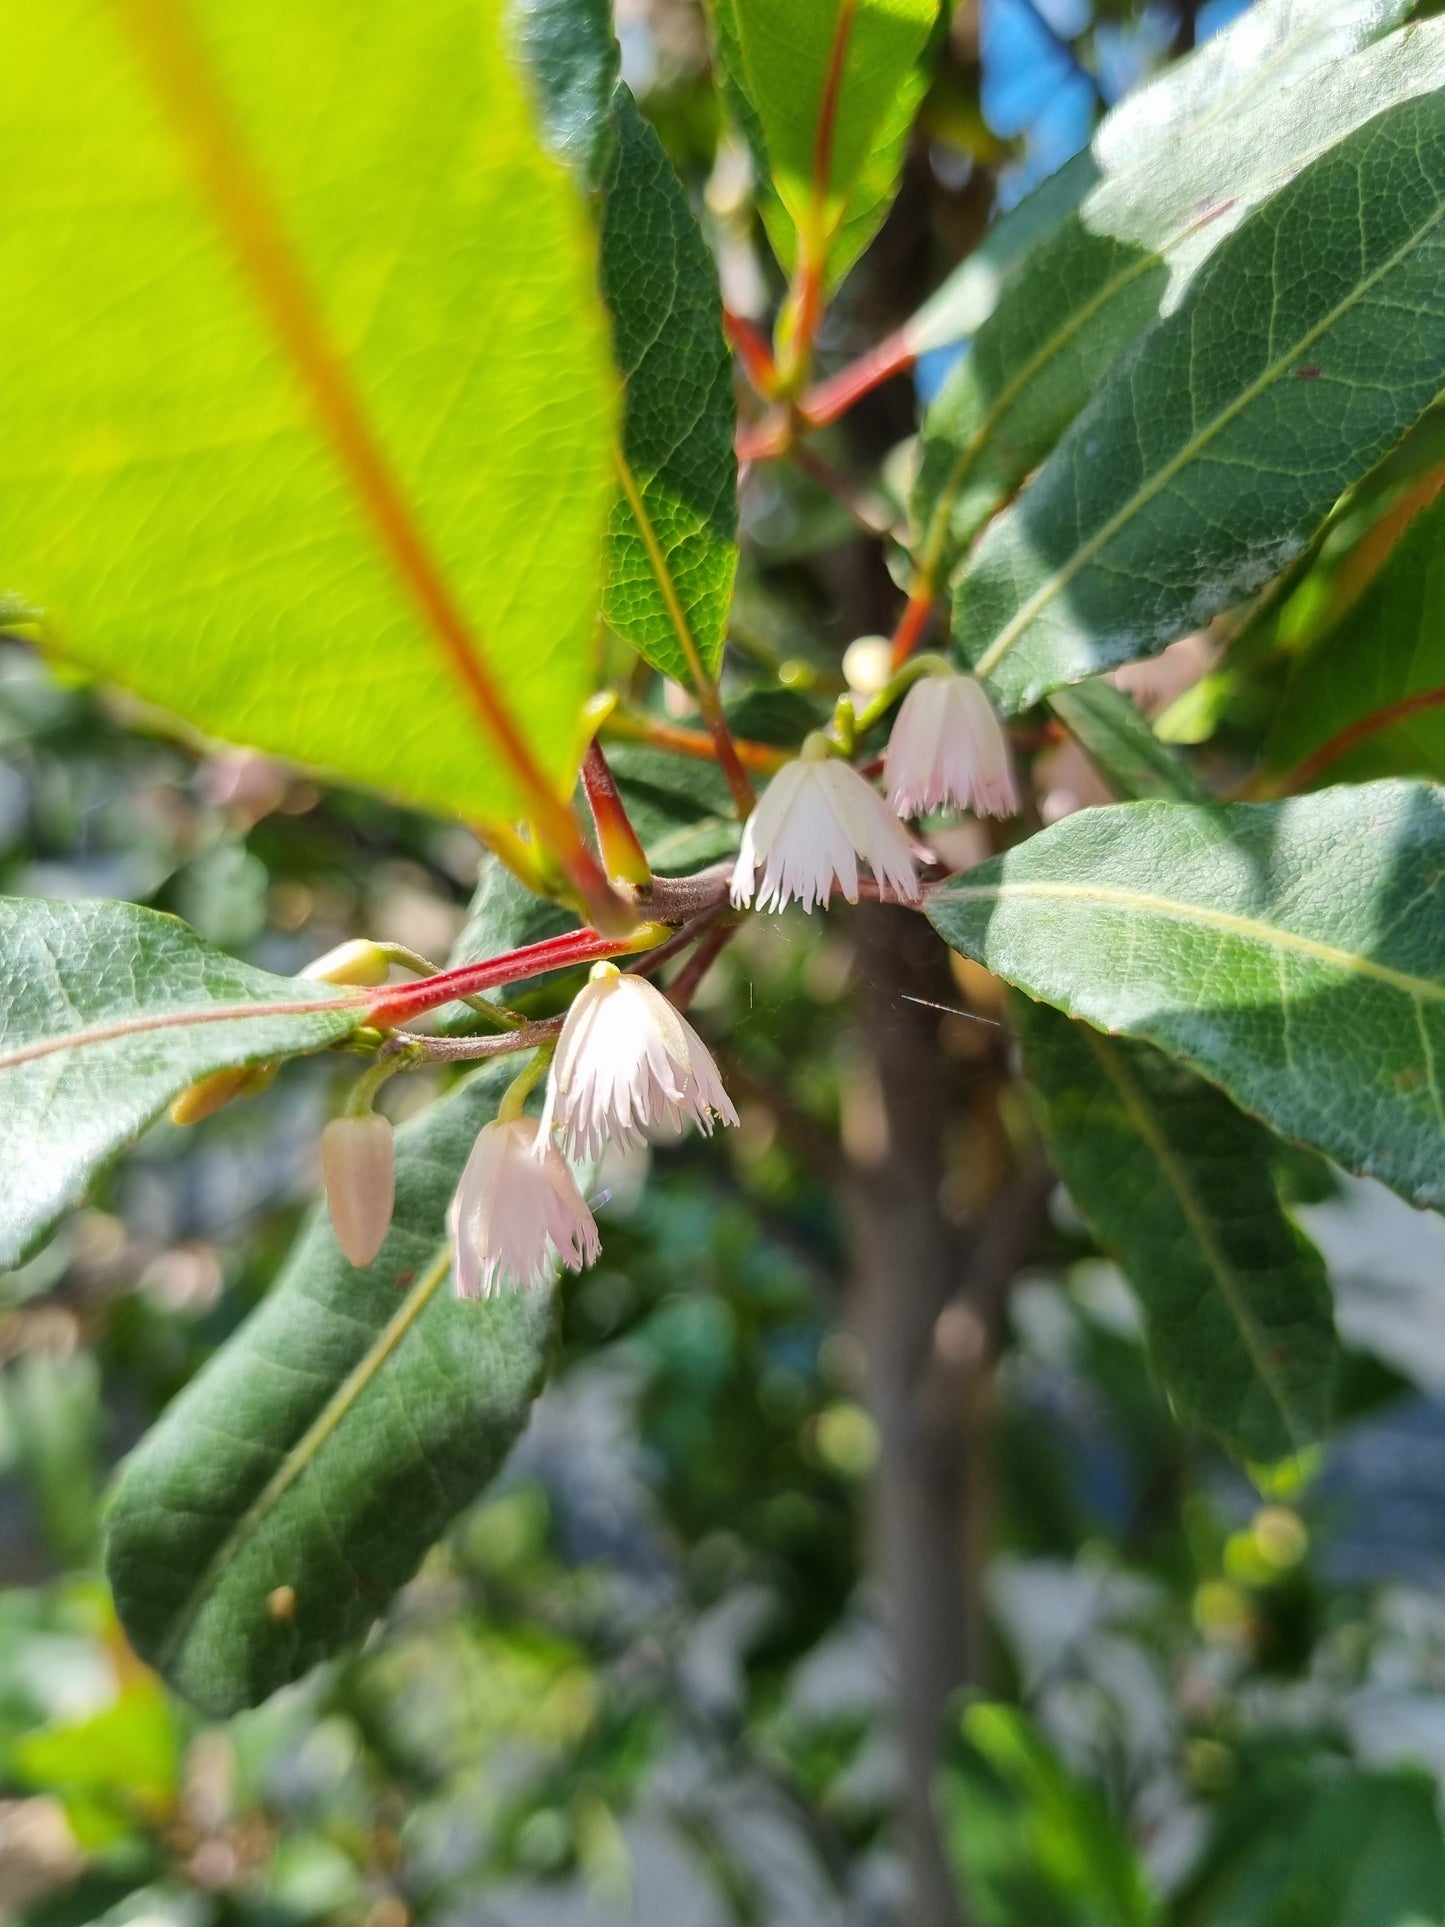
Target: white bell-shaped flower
pixel 516 1212
pixel 948 751
pixel 817 817
pixel 627 1062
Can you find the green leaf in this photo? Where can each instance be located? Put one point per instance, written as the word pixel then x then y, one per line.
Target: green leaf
pixel 1163 206
pixel 571 53
pixel 969 295
pixel 1303 349
pixel 671 553
pixel 1028 1842
pixel 108 1012
pixel 1361 1851
pixel 787 49
pixel 1385 654
pixel 1177 1186
pixel 1272 45
pixel 1293 953
pixel 171 494
pixel 327 1445
pixel 1120 744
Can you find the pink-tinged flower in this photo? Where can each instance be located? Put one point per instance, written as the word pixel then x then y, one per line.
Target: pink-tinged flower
pixel 817 817
pixel 516 1212
pixel 948 751
pixel 627 1061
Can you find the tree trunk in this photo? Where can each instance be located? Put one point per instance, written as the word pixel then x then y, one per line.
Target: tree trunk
pixel 904 1272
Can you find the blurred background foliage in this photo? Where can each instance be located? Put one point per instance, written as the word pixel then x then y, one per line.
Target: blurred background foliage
pixel 645 1677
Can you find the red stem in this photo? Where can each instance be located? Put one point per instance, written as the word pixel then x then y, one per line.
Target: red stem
pixel 911 624
pixel 761 757
pixel 622 852
pixel 774 435
pixel 408 1001
pixel 765 440
pixel 835 396
pixel 753 350
pixel 1360 732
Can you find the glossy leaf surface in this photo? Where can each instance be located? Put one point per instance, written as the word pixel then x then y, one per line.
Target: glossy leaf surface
pixel 1170 174
pixel 1306 345
pixel 1293 953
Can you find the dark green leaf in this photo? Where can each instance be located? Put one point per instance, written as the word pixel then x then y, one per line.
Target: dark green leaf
pixel 1293 953
pixel 1176 179
pixel 1385 651
pixel 109 1011
pixel 571 53
pixel 1120 744
pixel 1177 1185
pixel 327 1445
pixel 671 553
pixel 1302 350
pixel 1363 1851
pixel 970 294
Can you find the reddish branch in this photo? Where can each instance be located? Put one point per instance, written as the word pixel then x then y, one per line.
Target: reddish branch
pixel 1360 732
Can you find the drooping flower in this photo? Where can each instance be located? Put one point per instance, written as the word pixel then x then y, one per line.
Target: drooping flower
pixel 817 817
pixel 358 1168
pixel 948 751
pixel 516 1211
pixel 628 1061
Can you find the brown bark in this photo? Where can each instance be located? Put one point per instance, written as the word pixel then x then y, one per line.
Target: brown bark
pixel 902 1276
pixel 926 1302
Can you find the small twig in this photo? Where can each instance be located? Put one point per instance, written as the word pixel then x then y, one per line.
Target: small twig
pixel 446 1050
pixel 759 757
pixel 1359 732
pixel 841 489
pixel 684 986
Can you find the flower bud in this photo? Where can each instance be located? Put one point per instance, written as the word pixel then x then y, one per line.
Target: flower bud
pixel 211 1093
pixel 358 961
pixel 867 664
pixel 358 1166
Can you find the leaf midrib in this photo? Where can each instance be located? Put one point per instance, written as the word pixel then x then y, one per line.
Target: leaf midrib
pixel 1141 1116
pixel 1270 935
pixel 1059 580
pixel 178 1019
pixel 306 1448
pixel 657 558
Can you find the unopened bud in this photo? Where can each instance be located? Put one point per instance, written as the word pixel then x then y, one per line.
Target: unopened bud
pixel 209 1094
pixel 358 961
pixel 358 1166
pixel 867 664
